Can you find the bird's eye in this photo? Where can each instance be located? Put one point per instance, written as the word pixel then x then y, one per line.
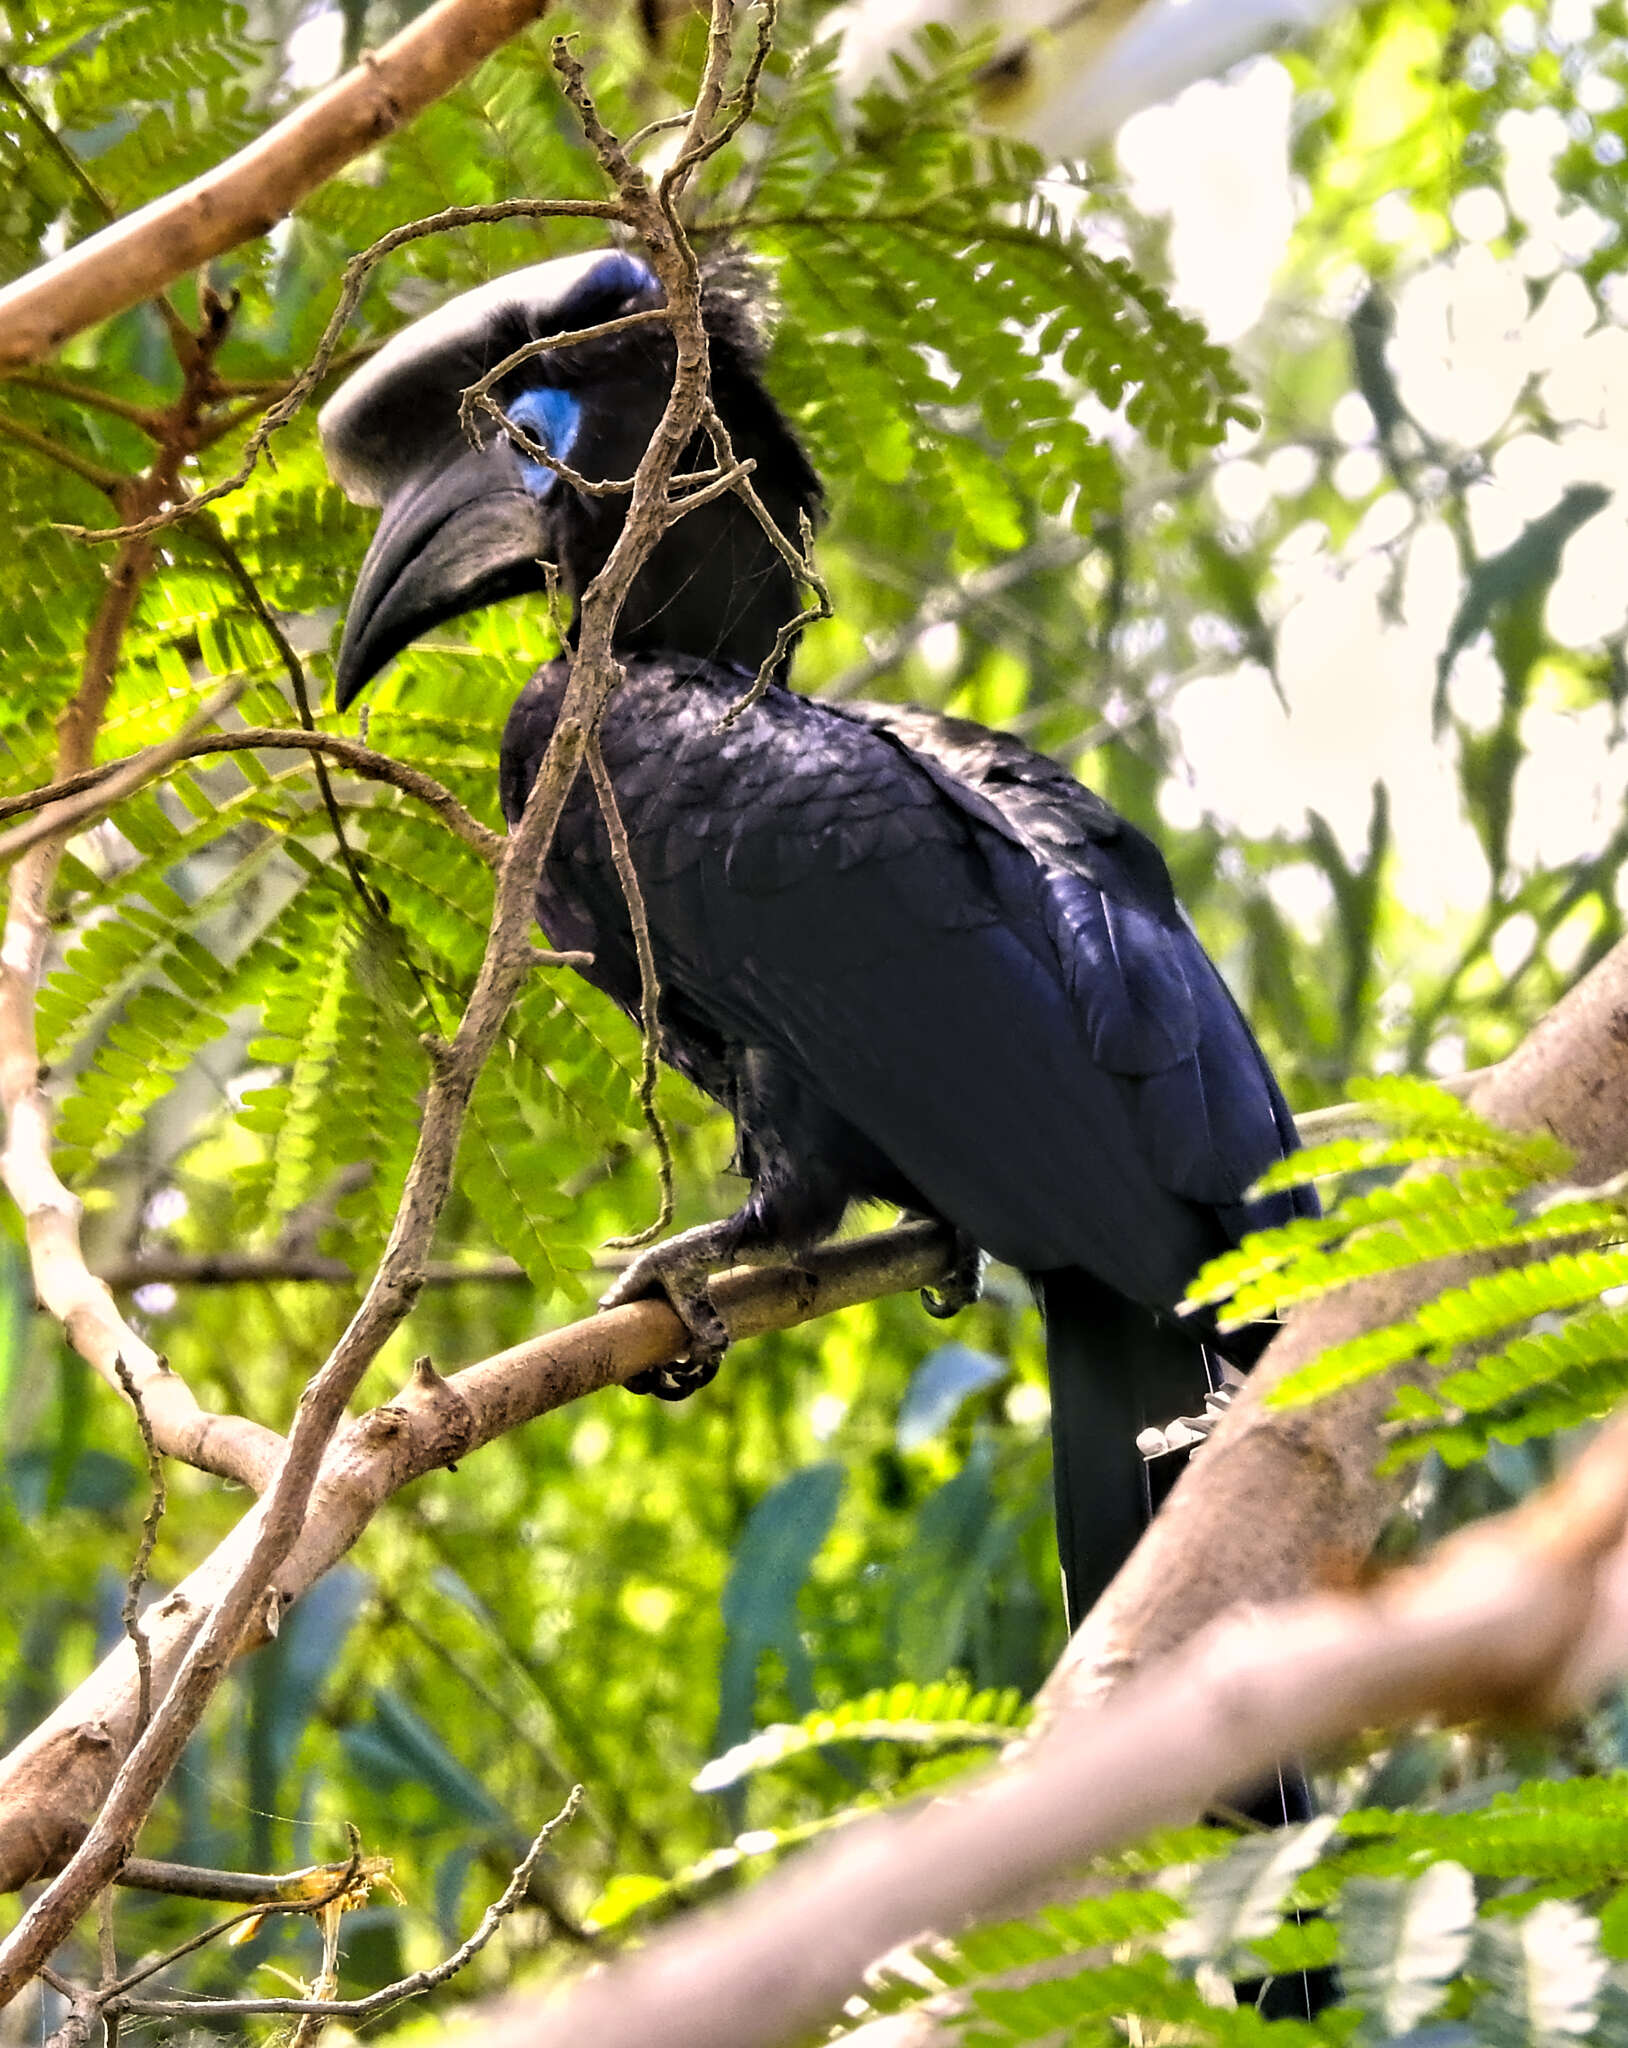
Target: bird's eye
pixel 551 417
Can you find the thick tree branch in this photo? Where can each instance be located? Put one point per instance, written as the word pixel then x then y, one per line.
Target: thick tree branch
pixel 1277 1500
pixel 249 193
pixel 55 1778
pixel 1526 1616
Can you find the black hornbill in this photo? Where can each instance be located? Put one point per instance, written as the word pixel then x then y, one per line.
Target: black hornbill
pixel 916 961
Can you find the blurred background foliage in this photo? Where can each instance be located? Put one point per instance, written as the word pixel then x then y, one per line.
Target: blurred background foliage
pixel 1339 615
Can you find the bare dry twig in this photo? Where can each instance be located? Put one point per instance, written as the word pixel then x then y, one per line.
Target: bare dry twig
pixel 270 1534
pixel 352 284
pixel 130 1612
pixel 155 761
pixel 82 1305
pixel 649 992
pixel 389 1995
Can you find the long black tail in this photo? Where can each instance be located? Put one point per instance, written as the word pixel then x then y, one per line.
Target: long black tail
pixel 1116 1370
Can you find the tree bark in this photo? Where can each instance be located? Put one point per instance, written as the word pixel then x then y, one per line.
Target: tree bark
pixel 1523 1616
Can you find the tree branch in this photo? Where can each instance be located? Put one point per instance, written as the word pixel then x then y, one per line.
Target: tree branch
pixel 249 193
pixel 57 1775
pixel 1278 1498
pixel 263 1269
pixel 156 760
pixel 231 1447
pixel 1525 1616
pixel 389 1995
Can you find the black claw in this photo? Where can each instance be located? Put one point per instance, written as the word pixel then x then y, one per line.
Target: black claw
pixel 675 1382
pixel 676 1271
pixel 961 1286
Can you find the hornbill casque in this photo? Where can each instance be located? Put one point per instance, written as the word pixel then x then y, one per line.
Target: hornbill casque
pixel 917 962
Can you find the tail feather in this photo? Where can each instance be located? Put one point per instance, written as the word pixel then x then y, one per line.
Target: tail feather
pixel 1116 1370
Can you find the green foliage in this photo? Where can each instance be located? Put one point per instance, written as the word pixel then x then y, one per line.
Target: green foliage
pixel 1403 1940
pixel 924 1715
pixel 835 1568
pixel 1568 1365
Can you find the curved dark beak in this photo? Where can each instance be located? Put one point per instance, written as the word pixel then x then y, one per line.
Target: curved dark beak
pixel 466 534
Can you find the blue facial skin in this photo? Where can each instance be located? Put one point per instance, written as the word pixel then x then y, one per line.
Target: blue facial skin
pixel 551 417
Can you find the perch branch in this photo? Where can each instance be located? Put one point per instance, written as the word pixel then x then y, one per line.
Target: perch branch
pixel 58 1774
pixel 249 1592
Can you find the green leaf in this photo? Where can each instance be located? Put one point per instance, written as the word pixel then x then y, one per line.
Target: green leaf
pixel 909 1714
pixel 1402 1942
pixel 759 1602
pixel 1543 1974
pixel 1239 1899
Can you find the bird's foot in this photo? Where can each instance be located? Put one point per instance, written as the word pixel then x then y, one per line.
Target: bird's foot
pixel 1185 1433
pixel 962 1284
pixel 680 1271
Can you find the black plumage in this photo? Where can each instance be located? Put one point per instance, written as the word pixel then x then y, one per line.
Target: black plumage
pixel 916 961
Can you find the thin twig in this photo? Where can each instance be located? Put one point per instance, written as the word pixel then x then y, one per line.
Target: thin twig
pixel 546 345
pixel 229 1445
pixel 113 781
pixel 265 1269
pixel 130 1613
pixel 415 1986
pixel 790 630
pixel 59 1774
pixel 152 762
pixel 743 99
pixel 232 1887
pixel 108 481
pixel 649 993
pixel 149 420
pixel 208 531
pixel 353 1871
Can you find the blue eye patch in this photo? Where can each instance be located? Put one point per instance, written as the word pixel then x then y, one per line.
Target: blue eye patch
pixel 552 418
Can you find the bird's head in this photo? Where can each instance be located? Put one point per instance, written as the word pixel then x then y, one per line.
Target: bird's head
pixel 464 525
